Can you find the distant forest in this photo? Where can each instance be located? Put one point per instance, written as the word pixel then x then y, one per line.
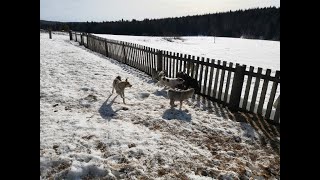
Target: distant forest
pixel 258 23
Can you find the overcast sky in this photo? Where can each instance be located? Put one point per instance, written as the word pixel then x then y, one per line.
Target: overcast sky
pixel 114 10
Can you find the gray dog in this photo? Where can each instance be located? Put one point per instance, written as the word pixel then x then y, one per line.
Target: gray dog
pixel 179 95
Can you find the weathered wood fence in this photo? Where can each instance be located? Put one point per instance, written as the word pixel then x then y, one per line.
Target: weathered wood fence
pixel 237 86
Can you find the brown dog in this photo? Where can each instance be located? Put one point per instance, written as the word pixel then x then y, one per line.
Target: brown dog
pixel 120 86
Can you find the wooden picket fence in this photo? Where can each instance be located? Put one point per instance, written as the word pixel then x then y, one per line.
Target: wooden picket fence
pixel 236 86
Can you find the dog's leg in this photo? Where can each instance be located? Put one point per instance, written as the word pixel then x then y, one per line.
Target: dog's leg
pixel 120 93
pixel 123 98
pixel 180 105
pixel 166 87
pixel 171 103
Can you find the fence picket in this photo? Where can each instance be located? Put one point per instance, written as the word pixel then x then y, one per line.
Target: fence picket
pixel 226 91
pixel 211 78
pixel 263 92
pixel 200 76
pixel 204 91
pixel 246 94
pixel 216 81
pixel 255 91
pixel 224 63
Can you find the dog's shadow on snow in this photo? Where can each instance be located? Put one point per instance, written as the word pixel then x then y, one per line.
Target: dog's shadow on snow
pixel 106 111
pixel 162 92
pixel 170 114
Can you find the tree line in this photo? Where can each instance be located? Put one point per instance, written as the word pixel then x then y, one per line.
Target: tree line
pixel 256 23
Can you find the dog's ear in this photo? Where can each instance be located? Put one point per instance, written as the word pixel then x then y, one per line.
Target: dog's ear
pixel 126 79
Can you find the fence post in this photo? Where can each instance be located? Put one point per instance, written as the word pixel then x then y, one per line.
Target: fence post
pixel 70 34
pixel 85 44
pixel 236 88
pixel 50 35
pixel 81 41
pixel 88 41
pixel 159 60
pixel 124 53
pixel 106 46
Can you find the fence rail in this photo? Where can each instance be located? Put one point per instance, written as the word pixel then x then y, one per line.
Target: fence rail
pixel 236 86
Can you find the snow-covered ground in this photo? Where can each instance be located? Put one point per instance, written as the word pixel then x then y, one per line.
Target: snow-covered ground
pixel 86 132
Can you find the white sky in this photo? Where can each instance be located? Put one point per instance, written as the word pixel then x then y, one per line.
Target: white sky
pixel 113 10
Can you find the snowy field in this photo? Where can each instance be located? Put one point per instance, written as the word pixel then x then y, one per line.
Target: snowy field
pixel 88 133
pixel 252 52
